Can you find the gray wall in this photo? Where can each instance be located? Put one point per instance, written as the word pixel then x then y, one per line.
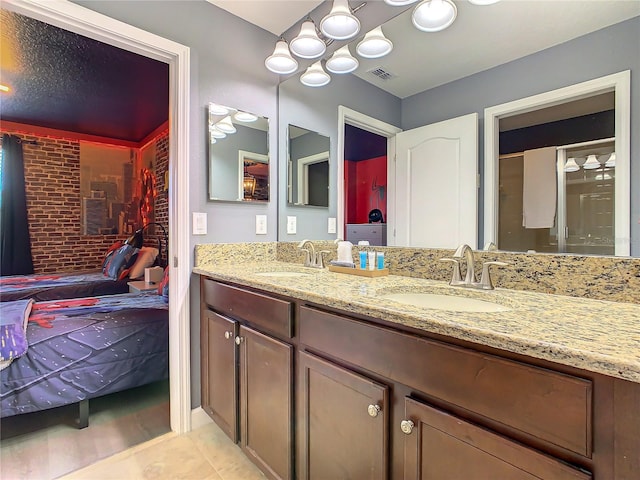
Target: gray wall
pixel 311 143
pixel 316 109
pixel 610 50
pixel 227 67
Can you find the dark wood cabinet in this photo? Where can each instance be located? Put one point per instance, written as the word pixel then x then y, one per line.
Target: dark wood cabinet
pixel 219 371
pixel 441 446
pixel 266 402
pixel 343 422
pixel 247 375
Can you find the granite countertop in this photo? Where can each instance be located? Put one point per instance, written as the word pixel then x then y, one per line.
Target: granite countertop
pixel 594 335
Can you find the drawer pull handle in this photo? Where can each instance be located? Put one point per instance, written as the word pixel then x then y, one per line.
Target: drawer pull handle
pixel 228 335
pixel 239 340
pixel 407 426
pixel 374 410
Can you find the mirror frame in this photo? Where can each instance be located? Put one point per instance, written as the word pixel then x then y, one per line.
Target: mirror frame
pixel 620 83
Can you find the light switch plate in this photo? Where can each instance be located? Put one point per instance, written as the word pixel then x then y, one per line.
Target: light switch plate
pixel 331 227
pixel 199 223
pixel 261 224
pixel 292 225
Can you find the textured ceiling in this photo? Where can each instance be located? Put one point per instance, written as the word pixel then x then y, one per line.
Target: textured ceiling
pixel 62 80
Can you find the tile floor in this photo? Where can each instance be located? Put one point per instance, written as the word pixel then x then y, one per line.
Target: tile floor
pixel 202 454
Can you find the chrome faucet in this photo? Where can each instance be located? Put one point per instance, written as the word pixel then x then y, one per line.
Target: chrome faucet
pixel 465 251
pixel 312 258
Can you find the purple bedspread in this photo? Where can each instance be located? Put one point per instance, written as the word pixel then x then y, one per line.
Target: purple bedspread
pixel 58 286
pixel 95 346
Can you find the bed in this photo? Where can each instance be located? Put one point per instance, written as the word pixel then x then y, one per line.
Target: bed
pixel 55 287
pixel 111 280
pixel 79 349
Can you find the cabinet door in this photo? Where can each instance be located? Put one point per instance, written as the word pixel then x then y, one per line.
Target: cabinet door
pixel 440 446
pixel 266 402
pixel 344 422
pixel 219 371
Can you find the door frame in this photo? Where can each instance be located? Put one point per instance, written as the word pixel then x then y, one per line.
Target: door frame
pixel 302 169
pixel 347 116
pixel 620 83
pixel 89 23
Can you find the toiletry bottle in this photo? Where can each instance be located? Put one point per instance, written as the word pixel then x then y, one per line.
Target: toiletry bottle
pixel 372 260
pixel 363 260
pixel 380 258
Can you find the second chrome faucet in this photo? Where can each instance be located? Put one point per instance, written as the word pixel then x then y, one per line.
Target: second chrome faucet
pixel 465 252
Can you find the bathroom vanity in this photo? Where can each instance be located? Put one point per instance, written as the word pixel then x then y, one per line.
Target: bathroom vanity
pixel 317 375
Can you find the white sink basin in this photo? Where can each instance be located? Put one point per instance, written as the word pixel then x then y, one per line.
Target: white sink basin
pixel 282 274
pixel 452 303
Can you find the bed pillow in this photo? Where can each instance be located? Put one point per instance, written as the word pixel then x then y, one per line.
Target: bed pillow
pixel 117 263
pixel 163 286
pixel 13 330
pixel 146 258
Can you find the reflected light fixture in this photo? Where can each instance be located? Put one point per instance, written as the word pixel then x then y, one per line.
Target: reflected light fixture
pixel 245 117
pixel 611 161
pixel 483 2
pixel 315 76
pixel 212 139
pixel 215 133
pixel 399 3
pixel 340 23
pixel 374 44
pixel 434 15
pixel 307 44
pixel 571 165
pixel 591 163
pixel 225 125
pixel 342 61
pixel 281 61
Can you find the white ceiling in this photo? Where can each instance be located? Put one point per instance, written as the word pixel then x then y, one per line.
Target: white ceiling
pixel 479 39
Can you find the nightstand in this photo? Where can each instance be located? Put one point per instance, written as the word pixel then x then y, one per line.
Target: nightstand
pixel 138 286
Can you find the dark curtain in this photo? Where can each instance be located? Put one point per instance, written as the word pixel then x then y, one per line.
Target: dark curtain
pixel 15 242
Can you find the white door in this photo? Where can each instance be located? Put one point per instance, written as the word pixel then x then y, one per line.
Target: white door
pixel 436 185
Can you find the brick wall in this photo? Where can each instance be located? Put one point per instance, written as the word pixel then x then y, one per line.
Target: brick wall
pixel 161 203
pixel 52 179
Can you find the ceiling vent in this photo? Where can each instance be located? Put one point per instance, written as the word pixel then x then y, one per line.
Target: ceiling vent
pixel 382 74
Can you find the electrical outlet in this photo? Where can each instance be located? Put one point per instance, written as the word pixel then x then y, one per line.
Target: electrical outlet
pixel 261 224
pixel 292 225
pixel 331 228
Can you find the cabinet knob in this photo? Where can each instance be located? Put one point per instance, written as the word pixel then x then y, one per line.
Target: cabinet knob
pixel 374 410
pixel 239 340
pixel 407 426
pixel 228 335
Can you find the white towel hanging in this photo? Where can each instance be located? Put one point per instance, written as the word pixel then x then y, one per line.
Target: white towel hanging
pixel 539 188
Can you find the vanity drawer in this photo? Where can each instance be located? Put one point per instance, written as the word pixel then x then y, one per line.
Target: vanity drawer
pixel 548 405
pixel 268 313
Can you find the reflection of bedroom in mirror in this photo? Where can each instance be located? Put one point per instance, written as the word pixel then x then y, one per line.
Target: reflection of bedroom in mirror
pixel 238 155
pixel 365 181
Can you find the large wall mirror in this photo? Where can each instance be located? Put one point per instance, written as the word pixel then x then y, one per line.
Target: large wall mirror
pixel 489 87
pixel 308 167
pixel 238 155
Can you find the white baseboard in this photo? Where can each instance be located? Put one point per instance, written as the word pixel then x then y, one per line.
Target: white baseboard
pixel 199 418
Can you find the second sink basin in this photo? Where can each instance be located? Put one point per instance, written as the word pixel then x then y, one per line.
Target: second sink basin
pixel 452 303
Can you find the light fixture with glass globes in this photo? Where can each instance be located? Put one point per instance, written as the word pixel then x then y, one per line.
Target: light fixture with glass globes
pixel 281 61
pixel 340 23
pixel 434 15
pixel 307 44
pixel 611 161
pixel 483 2
pixel 571 165
pixel 374 44
pixel 217 109
pixel 592 163
pixel 315 76
pixel 226 125
pixel 342 61
pixel 399 3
